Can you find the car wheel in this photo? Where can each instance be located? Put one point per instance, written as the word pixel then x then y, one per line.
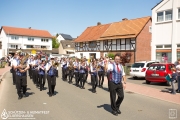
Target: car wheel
pixel 134 78
pixel 148 82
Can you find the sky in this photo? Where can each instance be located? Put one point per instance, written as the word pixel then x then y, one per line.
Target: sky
pixel 70 16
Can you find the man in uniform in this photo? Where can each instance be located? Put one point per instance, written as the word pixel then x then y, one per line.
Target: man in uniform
pixel 21 66
pixel 13 70
pixel 116 84
pixel 51 76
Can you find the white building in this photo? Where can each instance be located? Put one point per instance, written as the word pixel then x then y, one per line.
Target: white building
pixel 64 37
pixel 27 39
pixel 166 31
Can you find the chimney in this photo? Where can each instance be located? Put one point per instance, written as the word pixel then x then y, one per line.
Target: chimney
pixel 124 19
pixel 29 27
pixel 98 23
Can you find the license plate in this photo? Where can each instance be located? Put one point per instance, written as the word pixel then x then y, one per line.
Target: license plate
pixel 135 70
pixel 154 74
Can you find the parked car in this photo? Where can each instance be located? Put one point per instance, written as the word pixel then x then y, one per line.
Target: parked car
pixel 157 72
pixel 43 57
pixel 138 69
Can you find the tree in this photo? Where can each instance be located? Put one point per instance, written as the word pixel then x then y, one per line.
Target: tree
pixel 55 43
pixel 125 58
pixel 57 35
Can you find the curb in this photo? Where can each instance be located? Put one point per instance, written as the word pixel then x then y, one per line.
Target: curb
pixel 2 76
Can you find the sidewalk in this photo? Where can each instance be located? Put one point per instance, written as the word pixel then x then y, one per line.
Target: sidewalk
pixel 3 71
pixel 149 91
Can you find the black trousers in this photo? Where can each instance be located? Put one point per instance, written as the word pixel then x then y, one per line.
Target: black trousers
pixel 77 77
pixel 82 78
pixel 86 76
pixel 30 72
pixel 94 81
pixel 35 76
pixel 42 81
pixel 14 76
pixel 116 88
pixel 21 82
pixel 65 73
pixel 71 73
pixel 57 73
pixel 101 77
pixel 51 83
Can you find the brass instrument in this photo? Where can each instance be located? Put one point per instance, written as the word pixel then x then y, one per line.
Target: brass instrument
pixel 24 60
pixel 54 63
pixel 71 65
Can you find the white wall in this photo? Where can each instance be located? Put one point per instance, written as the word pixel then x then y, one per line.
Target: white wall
pixel 4 39
pixel 7 41
pixel 166 32
pixel 78 54
pixel 60 38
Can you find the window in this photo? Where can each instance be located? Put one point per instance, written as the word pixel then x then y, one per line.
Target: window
pixel 160 17
pixel 178 54
pixel 0 45
pixel 13 46
pixel 150 29
pixel 138 65
pixel 92 44
pixel 179 13
pixel 29 46
pixel 68 45
pixel 30 39
pixel 81 44
pixel 167 46
pixel 159 46
pixel 163 57
pixel 14 37
pixel 44 40
pixel 43 46
pixel 168 15
pixel 178 45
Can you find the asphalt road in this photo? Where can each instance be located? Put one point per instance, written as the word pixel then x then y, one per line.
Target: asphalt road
pixel 73 103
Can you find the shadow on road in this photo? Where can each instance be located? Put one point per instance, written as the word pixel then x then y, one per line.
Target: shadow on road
pixel 28 88
pixel 29 93
pixel 168 90
pixel 55 93
pixel 107 107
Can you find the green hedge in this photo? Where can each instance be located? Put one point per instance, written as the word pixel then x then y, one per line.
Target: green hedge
pixel 2 64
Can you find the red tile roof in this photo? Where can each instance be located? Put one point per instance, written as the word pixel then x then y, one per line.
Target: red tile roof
pixel 125 28
pixel 92 33
pixel 26 32
pixel 122 29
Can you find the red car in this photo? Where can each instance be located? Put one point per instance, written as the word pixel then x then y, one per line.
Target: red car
pixel 157 72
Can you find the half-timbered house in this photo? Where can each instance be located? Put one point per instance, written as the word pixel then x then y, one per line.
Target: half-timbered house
pixel 125 36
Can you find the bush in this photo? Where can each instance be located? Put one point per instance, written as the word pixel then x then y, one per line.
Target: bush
pixel 111 55
pixel 2 64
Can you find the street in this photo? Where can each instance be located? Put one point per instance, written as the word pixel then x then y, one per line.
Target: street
pixel 73 103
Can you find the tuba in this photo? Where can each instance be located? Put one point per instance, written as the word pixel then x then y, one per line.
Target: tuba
pixel 54 63
pixel 24 60
pixel 71 66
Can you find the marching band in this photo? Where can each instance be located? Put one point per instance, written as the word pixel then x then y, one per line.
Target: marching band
pixel 47 69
